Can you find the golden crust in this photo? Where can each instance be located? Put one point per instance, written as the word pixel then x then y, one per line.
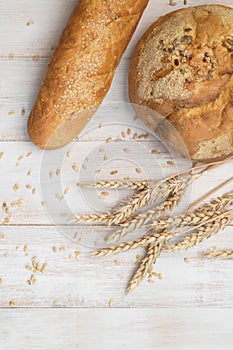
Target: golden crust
pixel 82 68
pixel 183 69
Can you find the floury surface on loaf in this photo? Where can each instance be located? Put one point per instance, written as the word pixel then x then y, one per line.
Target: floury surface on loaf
pixel 183 69
pixel 82 68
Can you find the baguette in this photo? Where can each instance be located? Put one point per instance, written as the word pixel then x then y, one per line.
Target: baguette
pixel 81 69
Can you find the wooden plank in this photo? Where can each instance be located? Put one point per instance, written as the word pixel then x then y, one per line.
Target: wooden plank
pixel 93 282
pixel 117 328
pixel 44 176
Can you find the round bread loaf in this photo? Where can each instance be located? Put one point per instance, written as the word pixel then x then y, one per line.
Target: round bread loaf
pixel 183 68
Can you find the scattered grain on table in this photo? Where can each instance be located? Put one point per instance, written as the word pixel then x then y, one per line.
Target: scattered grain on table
pixel 75 167
pixel 30 24
pixel 23 112
pixel 12 303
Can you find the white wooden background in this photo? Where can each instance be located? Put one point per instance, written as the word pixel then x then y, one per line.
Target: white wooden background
pixel 68 306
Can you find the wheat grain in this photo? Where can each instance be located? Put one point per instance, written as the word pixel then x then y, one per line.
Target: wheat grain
pixel 152 254
pixel 223 254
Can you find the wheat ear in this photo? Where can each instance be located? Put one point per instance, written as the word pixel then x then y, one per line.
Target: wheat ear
pixel 213 223
pixel 203 231
pixel 117 184
pixel 152 254
pixel 139 220
pixel 202 213
pixel 223 254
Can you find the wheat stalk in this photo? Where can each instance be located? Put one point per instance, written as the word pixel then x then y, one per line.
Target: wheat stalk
pixel 223 254
pixel 152 254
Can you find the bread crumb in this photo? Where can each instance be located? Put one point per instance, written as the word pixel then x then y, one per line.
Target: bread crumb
pixel 11 113
pixel 128 131
pixel 34 191
pixel 123 134
pixel 62 249
pixel 138 170
pixel 54 249
pixel 35 58
pixel 29 154
pixel 51 174
pixel 12 303
pixel 0 281
pixel 154 151
pixel 113 172
pixel 58 172
pixel 110 303
pixel 101 150
pixel 29 173
pixel 109 139
pixel 105 158
pixel 2 235
pixel 44 204
pixel 186 260
pixel 126 150
pixel 1 155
